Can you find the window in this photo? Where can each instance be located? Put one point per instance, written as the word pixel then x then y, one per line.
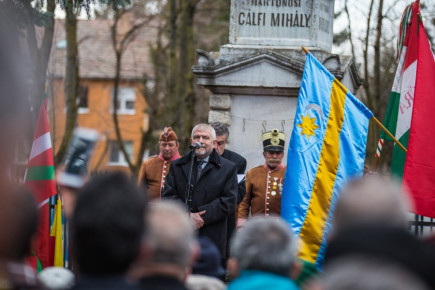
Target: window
pixel 115 154
pixel 82 100
pixel 126 101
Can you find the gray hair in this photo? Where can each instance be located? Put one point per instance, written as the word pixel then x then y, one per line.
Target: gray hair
pixel 170 234
pixel 371 200
pixel 362 273
pixel 221 129
pixel 266 244
pixel 205 127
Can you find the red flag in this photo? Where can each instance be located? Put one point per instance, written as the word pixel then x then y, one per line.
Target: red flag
pixel 419 172
pixel 40 180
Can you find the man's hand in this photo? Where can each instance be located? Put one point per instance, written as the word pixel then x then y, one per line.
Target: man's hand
pixel 197 220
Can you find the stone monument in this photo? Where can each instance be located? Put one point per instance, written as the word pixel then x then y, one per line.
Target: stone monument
pixel 255 79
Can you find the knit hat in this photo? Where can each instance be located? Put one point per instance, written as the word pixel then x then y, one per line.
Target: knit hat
pixel 168 135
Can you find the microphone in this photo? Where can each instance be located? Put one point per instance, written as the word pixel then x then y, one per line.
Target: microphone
pixel 196 145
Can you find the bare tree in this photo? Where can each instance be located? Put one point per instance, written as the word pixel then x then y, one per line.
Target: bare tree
pixel 378 62
pixel 120 42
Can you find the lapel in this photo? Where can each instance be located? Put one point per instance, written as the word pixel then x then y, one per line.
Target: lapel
pixel 186 167
pixel 213 161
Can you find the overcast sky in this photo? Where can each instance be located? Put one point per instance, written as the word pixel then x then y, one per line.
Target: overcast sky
pixel 393 8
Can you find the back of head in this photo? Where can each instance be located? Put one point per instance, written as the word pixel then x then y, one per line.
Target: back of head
pixel 107 225
pixel 56 278
pixel 359 273
pixel 371 200
pixel 265 244
pixel 209 261
pixel 18 222
pixel 170 234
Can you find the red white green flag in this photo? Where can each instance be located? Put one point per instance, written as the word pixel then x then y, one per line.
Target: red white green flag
pixel 409 113
pixel 398 114
pixel 419 172
pixel 40 180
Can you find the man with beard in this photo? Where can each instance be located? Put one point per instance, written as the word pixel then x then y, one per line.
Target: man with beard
pixel 155 168
pixel 213 186
pixel 264 183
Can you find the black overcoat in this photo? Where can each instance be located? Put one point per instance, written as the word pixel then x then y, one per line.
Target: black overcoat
pixel 215 192
pixel 240 162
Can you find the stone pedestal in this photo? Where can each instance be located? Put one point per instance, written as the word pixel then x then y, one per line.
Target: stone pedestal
pixel 255 79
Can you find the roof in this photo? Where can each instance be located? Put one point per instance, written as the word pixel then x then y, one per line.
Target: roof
pixel 96 53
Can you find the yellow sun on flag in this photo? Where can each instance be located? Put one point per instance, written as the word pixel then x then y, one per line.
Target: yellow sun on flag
pixel 308 126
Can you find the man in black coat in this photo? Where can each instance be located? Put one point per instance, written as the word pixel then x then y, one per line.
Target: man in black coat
pixel 213 186
pixel 222 135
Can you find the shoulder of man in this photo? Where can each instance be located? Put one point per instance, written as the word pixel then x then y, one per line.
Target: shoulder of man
pixel 256 168
pixel 153 157
pixel 233 156
pixel 182 160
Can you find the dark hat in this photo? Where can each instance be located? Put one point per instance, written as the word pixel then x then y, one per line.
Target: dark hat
pixel 273 141
pixel 209 262
pixel 168 135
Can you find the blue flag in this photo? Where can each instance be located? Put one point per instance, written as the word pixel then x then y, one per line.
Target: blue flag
pixel 327 148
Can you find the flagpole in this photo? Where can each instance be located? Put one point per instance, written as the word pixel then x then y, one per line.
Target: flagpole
pixel 377 122
pixel 389 134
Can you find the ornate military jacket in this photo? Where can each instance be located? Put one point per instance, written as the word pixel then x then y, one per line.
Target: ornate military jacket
pixel 263 192
pixel 153 173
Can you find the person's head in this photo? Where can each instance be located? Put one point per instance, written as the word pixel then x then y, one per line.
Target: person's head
pixel 366 273
pixel 206 135
pixel 371 200
pixel 273 148
pixel 18 222
pixel 222 135
pixel 168 143
pixel 169 239
pixel 209 262
pixel 265 244
pixel 107 225
pixel 56 278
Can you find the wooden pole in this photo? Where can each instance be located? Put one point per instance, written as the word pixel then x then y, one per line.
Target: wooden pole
pixel 389 134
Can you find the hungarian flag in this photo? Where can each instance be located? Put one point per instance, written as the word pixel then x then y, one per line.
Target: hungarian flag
pixel 409 113
pixel 40 180
pixel 399 110
pixel 419 170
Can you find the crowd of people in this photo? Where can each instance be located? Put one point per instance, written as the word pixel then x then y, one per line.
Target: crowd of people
pixel 197 222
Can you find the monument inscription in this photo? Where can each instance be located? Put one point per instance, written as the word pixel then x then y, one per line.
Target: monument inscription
pixel 282 23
